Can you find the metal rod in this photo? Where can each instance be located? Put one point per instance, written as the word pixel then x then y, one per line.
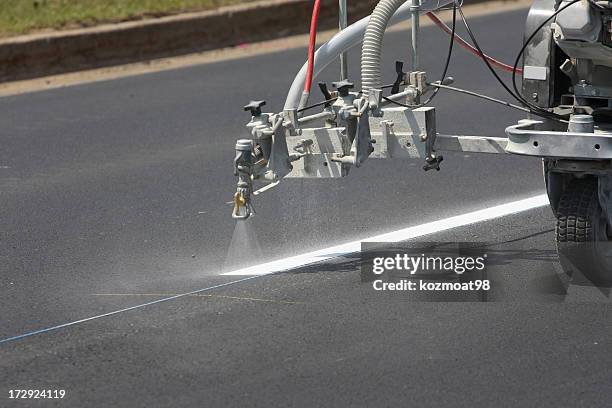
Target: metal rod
pixel 318 116
pixel 409 93
pixel 474 144
pixel 414 50
pixel 477 95
pixel 342 24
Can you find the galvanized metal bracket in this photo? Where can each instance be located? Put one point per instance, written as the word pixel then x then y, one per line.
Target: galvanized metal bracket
pixel 526 139
pixel 317 147
pixel 403 133
pixel 473 144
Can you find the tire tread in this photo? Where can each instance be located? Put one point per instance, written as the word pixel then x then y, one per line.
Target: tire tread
pixel 575 212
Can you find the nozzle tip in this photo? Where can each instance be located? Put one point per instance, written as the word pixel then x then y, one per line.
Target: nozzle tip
pixel 242 208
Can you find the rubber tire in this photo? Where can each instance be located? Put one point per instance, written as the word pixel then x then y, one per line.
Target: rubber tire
pixel 581 232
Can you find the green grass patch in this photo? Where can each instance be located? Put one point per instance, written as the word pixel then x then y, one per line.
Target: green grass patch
pixel 24 16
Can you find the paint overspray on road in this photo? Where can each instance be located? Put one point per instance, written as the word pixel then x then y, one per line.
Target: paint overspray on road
pixel 310 207
pixel 244 248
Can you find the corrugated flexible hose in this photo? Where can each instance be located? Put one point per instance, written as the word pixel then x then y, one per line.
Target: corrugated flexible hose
pixel 371 53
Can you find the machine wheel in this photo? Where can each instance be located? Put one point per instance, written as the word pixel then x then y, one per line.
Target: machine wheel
pixel 583 239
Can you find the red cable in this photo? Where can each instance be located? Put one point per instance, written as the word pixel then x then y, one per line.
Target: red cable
pixel 469 46
pixel 314 21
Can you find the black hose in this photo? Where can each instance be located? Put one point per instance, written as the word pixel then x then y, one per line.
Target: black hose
pixel 524 47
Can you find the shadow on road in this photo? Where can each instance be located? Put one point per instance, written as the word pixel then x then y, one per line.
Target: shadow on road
pixel 536 272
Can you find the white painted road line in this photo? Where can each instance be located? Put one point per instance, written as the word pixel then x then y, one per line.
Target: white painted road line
pixel 405 234
pixel 324 254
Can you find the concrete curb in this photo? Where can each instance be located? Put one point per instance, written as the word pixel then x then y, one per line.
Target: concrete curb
pixel 37 55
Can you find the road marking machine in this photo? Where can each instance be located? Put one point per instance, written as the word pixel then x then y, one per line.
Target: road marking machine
pixel 566 93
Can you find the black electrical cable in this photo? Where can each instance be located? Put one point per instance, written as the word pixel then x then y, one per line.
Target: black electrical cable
pixel 463 91
pixel 438 85
pixel 403 105
pixel 448 56
pixel 316 105
pixel 477 45
pixel 481 96
pixel 538 111
pixel 445 71
pixel 524 47
pixel 534 109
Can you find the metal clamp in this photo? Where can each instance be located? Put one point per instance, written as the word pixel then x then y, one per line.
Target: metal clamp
pixel 526 139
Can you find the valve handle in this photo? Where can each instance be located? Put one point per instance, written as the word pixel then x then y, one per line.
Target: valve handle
pixel 433 163
pixel 255 107
pixel 399 70
pixel 326 94
pixel 343 87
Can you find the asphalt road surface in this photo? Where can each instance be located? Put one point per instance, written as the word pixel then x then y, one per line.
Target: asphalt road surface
pixel 113 195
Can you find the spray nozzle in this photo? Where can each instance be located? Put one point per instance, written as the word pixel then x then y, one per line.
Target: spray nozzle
pixel 243 208
pixel 243 164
